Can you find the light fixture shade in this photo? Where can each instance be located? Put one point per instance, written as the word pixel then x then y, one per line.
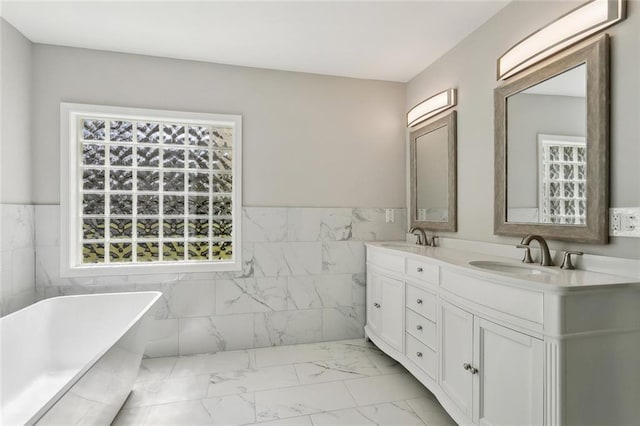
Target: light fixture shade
pixel 569 29
pixel 431 106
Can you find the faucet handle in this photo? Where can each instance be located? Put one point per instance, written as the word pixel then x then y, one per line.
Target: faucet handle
pixel 527 253
pixel 434 240
pixel 566 261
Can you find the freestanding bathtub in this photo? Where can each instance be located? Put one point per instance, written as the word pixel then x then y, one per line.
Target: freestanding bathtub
pixel 73 359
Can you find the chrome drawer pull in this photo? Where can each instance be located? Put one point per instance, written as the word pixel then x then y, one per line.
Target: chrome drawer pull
pixel 419 269
pixel 470 368
pixel 377 305
pixel 419 301
pixel 419 354
pixel 419 327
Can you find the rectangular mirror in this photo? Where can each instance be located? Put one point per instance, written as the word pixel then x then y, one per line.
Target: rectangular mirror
pixel 546 159
pixel 551 143
pixel 433 175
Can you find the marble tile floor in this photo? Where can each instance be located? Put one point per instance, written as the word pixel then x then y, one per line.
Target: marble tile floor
pixel 346 382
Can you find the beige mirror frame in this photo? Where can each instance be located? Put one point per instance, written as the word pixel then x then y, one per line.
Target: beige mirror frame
pixel 450 121
pixel 595 54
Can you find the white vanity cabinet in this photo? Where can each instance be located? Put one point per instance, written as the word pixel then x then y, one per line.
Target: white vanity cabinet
pixel 421 341
pixel 402 310
pixel 493 374
pixel 385 307
pixel 506 350
pixel 456 351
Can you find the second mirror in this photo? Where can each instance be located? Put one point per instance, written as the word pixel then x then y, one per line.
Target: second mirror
pixel 433 175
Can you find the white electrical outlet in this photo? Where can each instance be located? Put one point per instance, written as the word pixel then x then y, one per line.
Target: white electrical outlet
pixel 624 222
pixel 389 216
pixel 629 222
pixel 614 221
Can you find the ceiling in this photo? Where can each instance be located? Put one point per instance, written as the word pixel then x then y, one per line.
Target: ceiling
pixel 392 40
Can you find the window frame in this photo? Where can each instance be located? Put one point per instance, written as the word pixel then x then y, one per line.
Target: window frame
pixel 70 190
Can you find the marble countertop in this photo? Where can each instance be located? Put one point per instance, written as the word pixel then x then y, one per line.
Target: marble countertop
pixel 550 278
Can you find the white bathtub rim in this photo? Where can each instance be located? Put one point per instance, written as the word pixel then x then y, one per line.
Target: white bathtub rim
pixel 64 389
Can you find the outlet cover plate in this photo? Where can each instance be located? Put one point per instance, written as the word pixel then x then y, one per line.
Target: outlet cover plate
pixel 624 222
pixel 389 216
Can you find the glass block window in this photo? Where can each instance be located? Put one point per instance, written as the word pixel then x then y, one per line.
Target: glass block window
pixel 152 189
pixel 563 179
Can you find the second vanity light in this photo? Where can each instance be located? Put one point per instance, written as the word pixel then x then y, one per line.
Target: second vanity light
pixel 431 106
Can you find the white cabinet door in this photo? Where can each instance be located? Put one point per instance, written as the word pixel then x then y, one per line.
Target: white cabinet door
pixel 374 294
pixel 508 386
pixel 385 308
pixel 456 350
pixel 392 308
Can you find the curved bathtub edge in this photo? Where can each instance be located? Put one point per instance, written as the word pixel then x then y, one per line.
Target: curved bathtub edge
pixel 41 417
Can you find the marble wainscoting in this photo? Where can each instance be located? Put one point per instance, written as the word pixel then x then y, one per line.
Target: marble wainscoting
pixel 17 257
pixel 303 281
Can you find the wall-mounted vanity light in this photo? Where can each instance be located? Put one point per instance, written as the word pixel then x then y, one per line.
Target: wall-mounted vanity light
pixel 560 34
pixel 431 106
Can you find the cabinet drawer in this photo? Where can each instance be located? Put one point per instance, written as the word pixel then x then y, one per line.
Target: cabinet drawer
pixel 421 355
pixel 422 270
pixel 421 301
pixel 421 328
pixel 386 261
pixel 518 302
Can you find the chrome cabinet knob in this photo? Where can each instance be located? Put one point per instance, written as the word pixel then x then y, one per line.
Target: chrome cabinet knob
pixel 419 301
pixel 419 354
pixel 419 269
pixel 377 305
pixel 419 327
pixel 470 368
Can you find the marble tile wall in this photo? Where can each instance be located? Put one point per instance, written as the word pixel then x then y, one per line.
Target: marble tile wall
pixel 303 280
pixel 17 257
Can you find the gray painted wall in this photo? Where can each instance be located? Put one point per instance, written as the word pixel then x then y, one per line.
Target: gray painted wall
pixel 470 67
pixel 17 237
pixel 308 140
pixel 15 144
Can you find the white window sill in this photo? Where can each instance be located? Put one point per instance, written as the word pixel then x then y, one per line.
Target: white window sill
pixel 97 269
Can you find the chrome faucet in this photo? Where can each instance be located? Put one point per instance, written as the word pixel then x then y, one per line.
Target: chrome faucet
pixel 422 236
pixel 545 256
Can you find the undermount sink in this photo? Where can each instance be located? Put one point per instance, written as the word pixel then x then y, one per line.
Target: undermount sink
pixel 511 268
